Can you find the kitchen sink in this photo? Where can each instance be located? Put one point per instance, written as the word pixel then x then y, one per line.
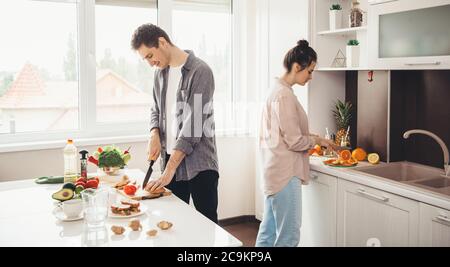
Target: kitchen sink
pixel 439 182
pixel 401 171
pixel 413 174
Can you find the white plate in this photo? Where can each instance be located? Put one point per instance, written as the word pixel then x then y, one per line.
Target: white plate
pixel 116 216
pixel 59 214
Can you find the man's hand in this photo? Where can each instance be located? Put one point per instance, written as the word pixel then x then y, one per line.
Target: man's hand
pixel 164 180
pixel 167 176
pixel 154 145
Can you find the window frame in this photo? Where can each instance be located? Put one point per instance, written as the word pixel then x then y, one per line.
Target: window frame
pixel 89 129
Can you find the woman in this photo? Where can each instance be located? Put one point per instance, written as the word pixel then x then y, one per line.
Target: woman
pixel 285 141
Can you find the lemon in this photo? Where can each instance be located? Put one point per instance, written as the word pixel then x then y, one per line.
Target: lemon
pixel 373 158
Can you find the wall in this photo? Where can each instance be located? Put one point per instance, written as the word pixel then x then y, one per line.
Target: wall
pixel 372 110
pixel 419 100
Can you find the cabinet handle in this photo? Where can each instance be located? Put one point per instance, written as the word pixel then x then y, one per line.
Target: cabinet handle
pixel 364 193
pixel 378 2
pixel 424 63
pixel 314 176
pixel 443 218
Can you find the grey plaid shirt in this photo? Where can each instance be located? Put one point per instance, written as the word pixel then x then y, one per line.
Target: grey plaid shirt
pixel 195 132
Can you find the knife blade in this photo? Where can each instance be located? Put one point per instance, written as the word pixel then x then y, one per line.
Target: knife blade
pixel 148 174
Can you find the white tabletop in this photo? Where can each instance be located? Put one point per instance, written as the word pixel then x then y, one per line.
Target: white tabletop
pixel 26 219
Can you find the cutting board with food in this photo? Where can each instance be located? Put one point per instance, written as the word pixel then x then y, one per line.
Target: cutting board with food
pixel 133 190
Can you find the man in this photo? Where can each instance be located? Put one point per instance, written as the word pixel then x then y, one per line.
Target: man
pixel 184 138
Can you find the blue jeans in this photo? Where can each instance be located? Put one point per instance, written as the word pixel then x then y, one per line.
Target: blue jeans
pixel 282 217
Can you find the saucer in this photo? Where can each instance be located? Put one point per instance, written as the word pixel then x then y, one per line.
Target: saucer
pixel 60 215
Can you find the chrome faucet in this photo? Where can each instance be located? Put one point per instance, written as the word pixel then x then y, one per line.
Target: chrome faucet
pixel 440 142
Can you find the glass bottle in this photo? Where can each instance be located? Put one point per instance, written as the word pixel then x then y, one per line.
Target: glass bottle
pixel 356 15
pixel 70 162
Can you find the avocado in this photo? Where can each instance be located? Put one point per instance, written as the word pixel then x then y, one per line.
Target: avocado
pixel 63 194
pixel 70 186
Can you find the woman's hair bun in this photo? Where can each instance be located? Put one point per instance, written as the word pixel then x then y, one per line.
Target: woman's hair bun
pixel 303 44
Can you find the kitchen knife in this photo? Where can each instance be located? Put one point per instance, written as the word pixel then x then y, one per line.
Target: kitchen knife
pixel 148 174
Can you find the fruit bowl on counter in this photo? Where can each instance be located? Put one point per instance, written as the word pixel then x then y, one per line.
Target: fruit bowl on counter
pixel 110 160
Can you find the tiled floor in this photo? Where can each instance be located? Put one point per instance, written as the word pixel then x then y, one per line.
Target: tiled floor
pixel 246 232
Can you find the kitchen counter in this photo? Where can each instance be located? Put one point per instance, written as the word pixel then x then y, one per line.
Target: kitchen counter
pixel 26 219
pixel 405 190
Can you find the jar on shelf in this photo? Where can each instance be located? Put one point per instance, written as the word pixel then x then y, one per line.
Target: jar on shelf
pixel 356 15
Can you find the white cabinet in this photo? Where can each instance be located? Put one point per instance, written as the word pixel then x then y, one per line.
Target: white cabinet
pixel 319 211
pixel 406 34
pixel 367 216
pixel 434 226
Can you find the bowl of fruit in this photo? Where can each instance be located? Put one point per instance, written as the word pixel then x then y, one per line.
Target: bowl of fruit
pixel 110 159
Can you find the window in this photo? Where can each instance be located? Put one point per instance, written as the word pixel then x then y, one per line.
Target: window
pixel 54 52
pixel 205 26
pixel 124 82
pixel 39 66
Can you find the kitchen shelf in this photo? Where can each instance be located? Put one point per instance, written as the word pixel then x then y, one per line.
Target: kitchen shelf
pixel 345 31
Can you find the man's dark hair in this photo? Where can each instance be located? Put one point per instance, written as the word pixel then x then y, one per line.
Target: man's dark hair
pixel 148 34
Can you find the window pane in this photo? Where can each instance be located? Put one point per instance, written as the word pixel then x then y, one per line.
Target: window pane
pixel 39 66
pixel 124 81
pixel 205 26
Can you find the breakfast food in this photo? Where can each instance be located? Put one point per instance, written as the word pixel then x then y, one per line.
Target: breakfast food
pixel 359 154
pixel 132 203
pixel 152 232
pixel 345 159
pixel 118 230
pixel 316 151
pixel 345 155
pixel 130 189
pixel 125 209
pixel 135 225
pixel 158 191
pixel 373 158
pixel 120 185
pixel 164 225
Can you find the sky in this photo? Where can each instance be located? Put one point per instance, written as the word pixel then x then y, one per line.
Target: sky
pixel 37 31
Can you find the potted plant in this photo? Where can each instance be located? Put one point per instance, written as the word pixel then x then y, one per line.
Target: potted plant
pixel 352 50
pixel 110 159
pixel 335 17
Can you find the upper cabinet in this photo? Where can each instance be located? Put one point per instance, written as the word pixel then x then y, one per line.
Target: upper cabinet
pixel 405 34
pixel 391 34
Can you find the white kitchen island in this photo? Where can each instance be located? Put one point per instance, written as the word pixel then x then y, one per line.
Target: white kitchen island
pixel 26 219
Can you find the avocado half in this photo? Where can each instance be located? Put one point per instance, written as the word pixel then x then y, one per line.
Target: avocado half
pixel 70 186
pixel 63 194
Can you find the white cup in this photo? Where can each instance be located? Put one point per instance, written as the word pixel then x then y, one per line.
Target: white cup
pixel 72 208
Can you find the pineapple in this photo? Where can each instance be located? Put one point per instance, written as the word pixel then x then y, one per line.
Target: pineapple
pixel 343 115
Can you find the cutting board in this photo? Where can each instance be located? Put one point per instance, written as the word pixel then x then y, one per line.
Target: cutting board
pixel 143 194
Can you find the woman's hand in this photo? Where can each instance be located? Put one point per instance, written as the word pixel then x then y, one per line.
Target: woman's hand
pixel 327 143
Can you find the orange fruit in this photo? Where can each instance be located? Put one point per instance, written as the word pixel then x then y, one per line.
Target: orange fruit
pixel 318 149
pixel 345 154
pixel 359 154
pixel 311 151
pixel 373 158
pixel 352 161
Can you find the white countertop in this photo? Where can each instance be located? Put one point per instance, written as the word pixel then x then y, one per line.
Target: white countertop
pixel 26 219
pixel 402 189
